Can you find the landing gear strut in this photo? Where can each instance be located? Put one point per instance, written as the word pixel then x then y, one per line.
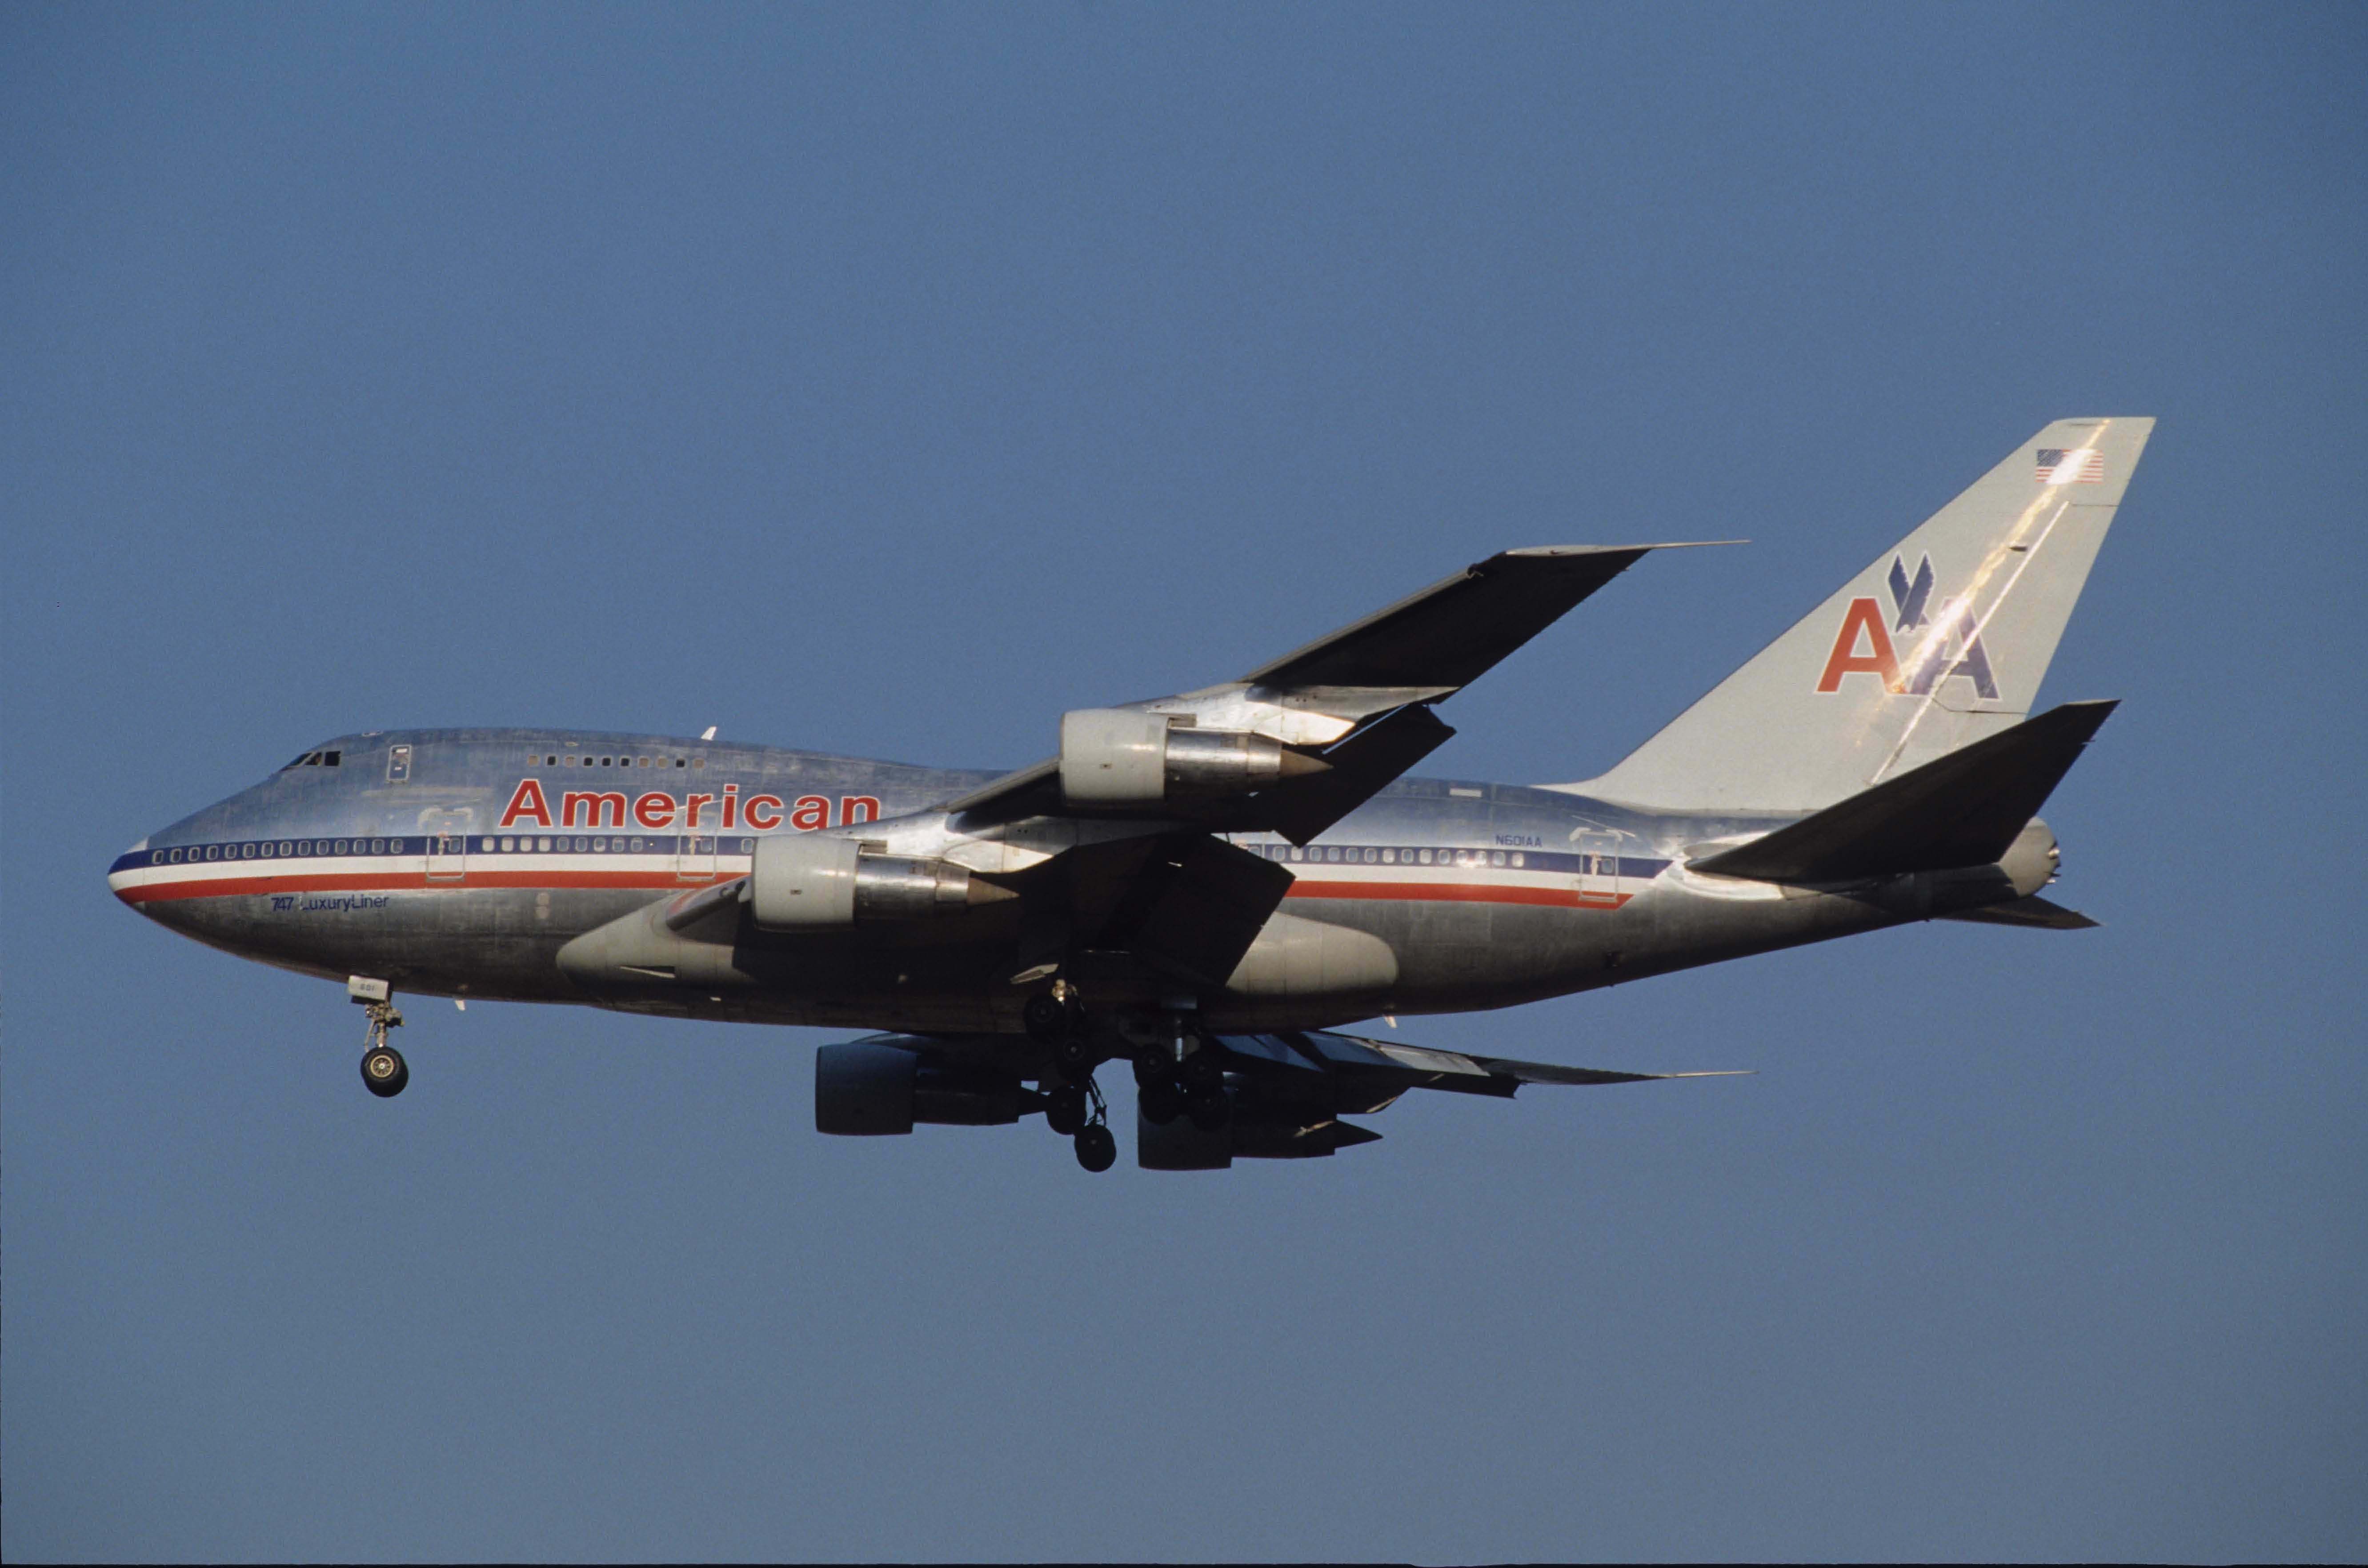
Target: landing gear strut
pixel 384 1072
pixel 1077 1111
pixel 1055 1019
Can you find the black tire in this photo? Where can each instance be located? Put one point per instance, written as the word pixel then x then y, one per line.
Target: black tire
pixel 384 1071
pixel 1065 1110
pixel 1045 1019
pixel 1160 1101
pixel 1202 1071
pixel 1211 1109
pixel 1076 1058
pixel 1097 1150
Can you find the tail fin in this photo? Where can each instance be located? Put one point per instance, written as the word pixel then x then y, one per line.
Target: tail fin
pixel 1941 642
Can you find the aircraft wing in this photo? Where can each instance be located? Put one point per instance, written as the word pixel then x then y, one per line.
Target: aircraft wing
pixel 1355 704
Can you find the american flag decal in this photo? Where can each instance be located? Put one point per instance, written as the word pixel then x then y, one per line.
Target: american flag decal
pixel 2075 465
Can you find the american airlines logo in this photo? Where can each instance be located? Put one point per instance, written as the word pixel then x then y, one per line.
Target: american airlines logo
pixel 655 809
pixel 1944 641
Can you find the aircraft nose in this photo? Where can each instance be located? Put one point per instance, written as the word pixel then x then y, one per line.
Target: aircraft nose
pixel 129 874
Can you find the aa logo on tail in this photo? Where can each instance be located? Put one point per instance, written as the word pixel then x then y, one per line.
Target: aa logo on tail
pixel 1948 641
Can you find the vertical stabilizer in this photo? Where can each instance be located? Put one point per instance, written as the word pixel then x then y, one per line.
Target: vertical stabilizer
pixel 1941 642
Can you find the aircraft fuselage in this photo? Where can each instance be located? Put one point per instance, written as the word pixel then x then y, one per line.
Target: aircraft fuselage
pixel 464 862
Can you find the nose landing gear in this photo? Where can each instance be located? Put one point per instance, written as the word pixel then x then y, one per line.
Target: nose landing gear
pixel 384 1072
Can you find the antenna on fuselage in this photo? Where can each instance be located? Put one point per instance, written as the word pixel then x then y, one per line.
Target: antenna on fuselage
pixel 708 734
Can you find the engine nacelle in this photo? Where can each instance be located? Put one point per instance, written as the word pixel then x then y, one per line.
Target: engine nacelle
pixel 871 1088
pixel 1116 757
pixel 803 882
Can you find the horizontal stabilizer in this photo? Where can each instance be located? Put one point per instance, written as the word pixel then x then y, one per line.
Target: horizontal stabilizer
pixel 2034 914
pixel 1962 809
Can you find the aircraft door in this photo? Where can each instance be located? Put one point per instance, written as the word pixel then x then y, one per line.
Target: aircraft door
pixel 448 857
pixel 1599 867
pixel 695 858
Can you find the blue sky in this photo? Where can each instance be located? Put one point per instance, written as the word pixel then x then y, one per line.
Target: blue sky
pixel 888 380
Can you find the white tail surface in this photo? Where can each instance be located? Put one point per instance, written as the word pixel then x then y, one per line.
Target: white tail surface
pixel 1941 642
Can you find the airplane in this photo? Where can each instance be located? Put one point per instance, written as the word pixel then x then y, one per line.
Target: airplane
pixel 1207 887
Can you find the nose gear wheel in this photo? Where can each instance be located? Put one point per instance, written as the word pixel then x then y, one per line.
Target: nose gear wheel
pixel 384 1071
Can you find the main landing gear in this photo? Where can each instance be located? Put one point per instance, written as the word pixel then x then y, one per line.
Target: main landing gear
pixel 1185 1078
pixel 1074 1107
pixel 1077 1112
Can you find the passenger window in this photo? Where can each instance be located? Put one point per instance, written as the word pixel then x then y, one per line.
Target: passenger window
pixel 176 857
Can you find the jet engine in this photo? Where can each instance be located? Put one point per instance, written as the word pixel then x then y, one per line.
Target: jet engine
pixel 1116 757
pixel 870 1088
pixel 804 883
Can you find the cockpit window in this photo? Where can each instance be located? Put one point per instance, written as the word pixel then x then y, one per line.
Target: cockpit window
pixel 317 760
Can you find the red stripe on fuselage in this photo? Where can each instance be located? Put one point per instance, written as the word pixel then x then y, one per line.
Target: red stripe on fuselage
pixel 234 887
pixel 1459 892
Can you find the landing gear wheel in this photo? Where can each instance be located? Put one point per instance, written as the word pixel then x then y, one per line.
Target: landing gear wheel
pixel 1045 1019
pixel 1075 1058
pixel 1097 1150
pixel 1064 1109
pixel 1200 1072
pixel 1160 1101
pixel 384 1072
pixel 1209 1109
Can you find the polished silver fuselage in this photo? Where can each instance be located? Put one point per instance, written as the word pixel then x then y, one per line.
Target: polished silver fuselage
pixel 410 857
